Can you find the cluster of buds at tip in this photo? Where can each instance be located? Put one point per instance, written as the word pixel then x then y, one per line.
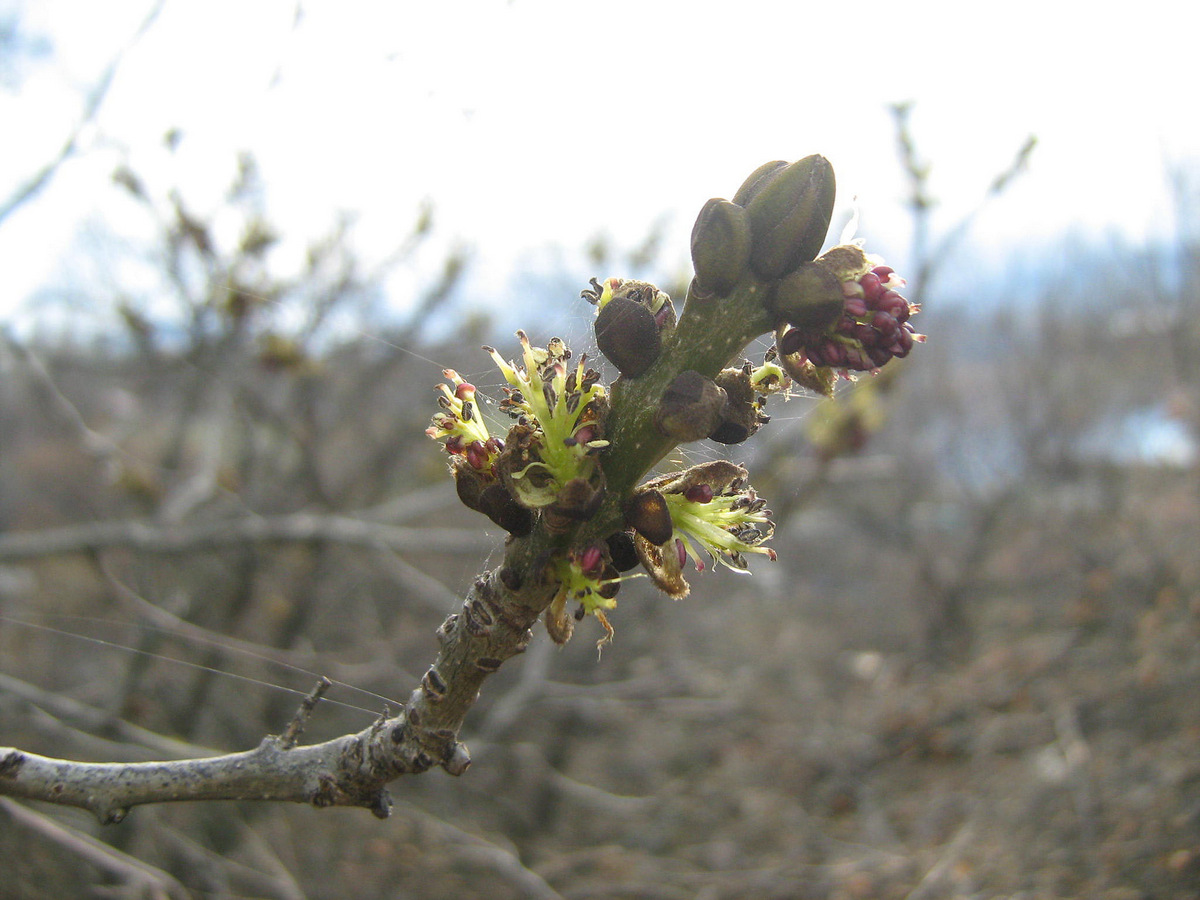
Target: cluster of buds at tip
pixel 633 318
pixel 776 221
pixel 550 454
pixel 842 313
pixel 588 580
pixel 709 510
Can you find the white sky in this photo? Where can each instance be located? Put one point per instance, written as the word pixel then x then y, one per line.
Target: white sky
pixel 536 122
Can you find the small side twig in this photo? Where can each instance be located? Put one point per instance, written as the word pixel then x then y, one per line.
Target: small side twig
pixel 295 728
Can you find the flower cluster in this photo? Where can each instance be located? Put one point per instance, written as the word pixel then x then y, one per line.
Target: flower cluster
pixel 560 416
pixel 681 379
pixel 462 429
pixel 709 509
pixel 873 326
pixel 588 579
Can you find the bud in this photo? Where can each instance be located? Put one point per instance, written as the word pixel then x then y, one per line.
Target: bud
pixel 621 549
pixel 646 512
pixel 872 328
pixel 790 215
pixel 690 407
pixel 759 179
pixel 810 298
pixel 741 415
pixel 627 335
pixel 629 338
pixel 720 247
pixel 502 508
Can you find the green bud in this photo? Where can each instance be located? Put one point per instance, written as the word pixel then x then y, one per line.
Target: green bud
pixel 759 178
pixel 690 407
pixel 720 247
pixel 790 215
pixel 810 297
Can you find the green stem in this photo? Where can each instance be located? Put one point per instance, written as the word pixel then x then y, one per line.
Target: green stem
pixel 711 333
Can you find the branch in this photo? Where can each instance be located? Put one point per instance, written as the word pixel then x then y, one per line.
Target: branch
pixel 155 537
pixel 351 770
pixel 566 483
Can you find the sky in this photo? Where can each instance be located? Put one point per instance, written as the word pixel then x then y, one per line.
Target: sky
pixel 532 125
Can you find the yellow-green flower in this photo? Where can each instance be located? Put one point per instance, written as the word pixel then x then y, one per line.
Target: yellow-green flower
pixel 588 579
pixel 460 426
pixel 712 509
pixel 559 413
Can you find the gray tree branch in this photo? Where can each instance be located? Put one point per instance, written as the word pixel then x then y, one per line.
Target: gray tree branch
pixel 352 770
pixel 156 537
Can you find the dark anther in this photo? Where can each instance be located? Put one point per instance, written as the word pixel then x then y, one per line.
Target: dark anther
pixel 592 296
pixel 612 585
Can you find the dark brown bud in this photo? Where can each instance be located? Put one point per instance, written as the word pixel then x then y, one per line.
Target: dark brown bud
pixel 647 513
pixel 740 416
pixel 468 483
pixel 621 551
pixel 790 215
pixel 720 247
pixel 628 336
pixel 690 407
pixel 499 505
pixel 809 298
